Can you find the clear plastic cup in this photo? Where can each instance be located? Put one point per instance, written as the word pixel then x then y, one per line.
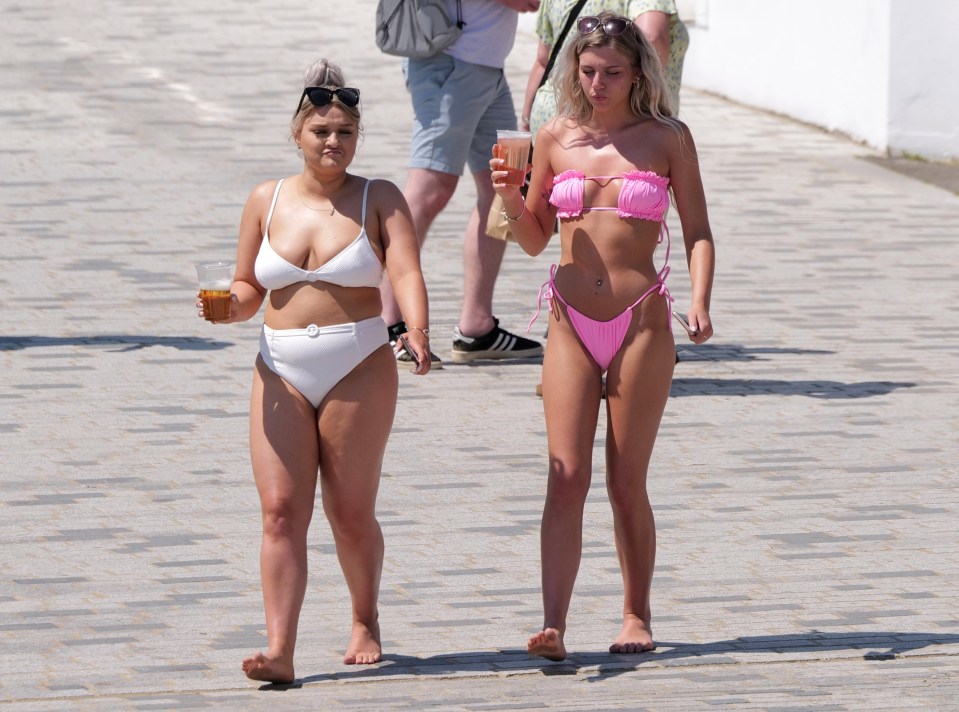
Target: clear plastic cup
pixel 514 149
pixel 215 280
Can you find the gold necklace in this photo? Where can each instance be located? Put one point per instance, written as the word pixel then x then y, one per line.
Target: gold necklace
pixel 330 210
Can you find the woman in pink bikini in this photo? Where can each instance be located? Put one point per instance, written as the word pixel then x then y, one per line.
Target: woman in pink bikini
pixel 605 167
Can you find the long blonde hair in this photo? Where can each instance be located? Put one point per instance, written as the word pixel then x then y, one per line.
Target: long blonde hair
pixel 649 97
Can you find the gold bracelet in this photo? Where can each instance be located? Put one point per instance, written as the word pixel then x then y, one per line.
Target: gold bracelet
pixel 426 332
pixel 521 213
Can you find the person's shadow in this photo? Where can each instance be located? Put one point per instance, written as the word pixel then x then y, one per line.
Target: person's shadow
pixel 879 645
pixel 813 388
pixel 124 342
pixel 683 386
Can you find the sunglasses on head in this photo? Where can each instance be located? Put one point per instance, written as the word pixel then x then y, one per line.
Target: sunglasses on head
pixel 612 26
pixel 321 96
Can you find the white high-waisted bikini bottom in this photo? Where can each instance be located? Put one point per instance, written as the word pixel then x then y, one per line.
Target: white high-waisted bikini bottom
pixel 316 358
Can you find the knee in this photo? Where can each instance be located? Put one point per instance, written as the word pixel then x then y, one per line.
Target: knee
pixel 428 192
pixel 281 520
pixel 432 202
pixel 568 483
pixel 627 497
pixel 352 523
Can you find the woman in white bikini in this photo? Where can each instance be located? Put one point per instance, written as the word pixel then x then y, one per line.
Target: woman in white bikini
pixel 325 382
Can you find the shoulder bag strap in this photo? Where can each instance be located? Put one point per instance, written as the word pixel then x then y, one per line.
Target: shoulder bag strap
pixel 573 14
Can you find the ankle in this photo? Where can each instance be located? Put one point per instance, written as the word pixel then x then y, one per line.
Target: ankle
pixel 475 328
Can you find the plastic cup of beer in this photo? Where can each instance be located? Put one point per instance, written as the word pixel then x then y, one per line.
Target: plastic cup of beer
pixel 215 280
pixel 514 149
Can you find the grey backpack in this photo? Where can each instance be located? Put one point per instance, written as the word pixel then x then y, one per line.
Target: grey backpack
pixel 416 28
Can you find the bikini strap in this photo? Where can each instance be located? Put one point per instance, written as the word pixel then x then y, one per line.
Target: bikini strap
pixel 664 273
pixel 366 189
pixel 660 285
pixel 545 292
pixel 269 216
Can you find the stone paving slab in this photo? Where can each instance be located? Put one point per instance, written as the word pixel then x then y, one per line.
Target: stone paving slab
pixel 804 480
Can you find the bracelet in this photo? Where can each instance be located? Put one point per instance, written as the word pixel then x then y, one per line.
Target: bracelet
pixel 426 332
pixel 521 214
pixel 524 119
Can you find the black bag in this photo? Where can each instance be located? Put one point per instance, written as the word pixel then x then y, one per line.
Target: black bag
pixel 416 28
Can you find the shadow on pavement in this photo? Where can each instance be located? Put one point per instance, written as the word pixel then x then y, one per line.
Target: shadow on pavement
pixel 764 387
pixel 738 352
pixel 882 645
pixel 886 645
pixel 703 352
pixel 943 174
pixel 130 342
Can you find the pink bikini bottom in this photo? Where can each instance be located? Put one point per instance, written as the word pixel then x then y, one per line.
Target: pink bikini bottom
pixel 603 339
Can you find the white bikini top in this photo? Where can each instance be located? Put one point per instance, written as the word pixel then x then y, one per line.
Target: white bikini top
pixel 356 265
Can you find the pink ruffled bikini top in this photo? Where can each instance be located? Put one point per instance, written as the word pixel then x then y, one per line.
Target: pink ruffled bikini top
pixel 643 195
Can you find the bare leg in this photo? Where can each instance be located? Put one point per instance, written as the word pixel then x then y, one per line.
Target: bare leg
pixel 482 257
pixel 427 192
pixel 354 423
pixel 283 451
pixel 637 391
pixel 568 376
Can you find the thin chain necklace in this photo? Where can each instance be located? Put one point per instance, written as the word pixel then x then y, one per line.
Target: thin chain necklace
pixel 329 211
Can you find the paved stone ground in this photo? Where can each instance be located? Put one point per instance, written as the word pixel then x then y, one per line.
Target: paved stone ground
pixel 804 481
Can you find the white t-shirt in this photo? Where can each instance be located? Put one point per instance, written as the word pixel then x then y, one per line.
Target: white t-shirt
pixel 488 35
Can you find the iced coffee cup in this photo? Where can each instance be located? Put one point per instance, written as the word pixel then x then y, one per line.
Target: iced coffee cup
pixel 215 279
pixel 514 149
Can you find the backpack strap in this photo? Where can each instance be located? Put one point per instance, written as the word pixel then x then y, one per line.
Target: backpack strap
pixel 573 14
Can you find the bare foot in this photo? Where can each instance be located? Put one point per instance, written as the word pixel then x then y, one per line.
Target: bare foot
pixel 548 643
pixel 635 637
pixel 364 647
pixel 276 670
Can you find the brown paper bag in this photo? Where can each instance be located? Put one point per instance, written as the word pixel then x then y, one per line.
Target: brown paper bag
pixel 497 226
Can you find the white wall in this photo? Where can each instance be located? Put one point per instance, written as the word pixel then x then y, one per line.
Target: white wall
pixel 924 78
pixel 882 71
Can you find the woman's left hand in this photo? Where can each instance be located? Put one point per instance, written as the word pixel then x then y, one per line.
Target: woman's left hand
pixel 417 343
pixel 699 321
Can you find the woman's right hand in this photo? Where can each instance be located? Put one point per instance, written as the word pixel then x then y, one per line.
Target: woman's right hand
pixel 234 308
pixel 499 176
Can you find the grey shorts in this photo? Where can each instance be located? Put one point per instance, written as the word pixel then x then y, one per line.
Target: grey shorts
pixel 457 108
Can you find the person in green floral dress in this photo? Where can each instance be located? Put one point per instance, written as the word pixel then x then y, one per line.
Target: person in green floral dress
pixel 657 19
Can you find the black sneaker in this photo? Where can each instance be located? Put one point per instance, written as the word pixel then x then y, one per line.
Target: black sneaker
pixel 498 343
pixel 403 357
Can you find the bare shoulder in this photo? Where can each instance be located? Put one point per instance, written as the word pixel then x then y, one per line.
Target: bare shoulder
pixel 385 198
pixel 262 194
pixel 555 142
pixel 676 140
pixel 556 131
pixel 677 133
pixel 383 191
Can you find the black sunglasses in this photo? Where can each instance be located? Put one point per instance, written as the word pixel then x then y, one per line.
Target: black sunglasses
pixel 612 26
pixel 321 96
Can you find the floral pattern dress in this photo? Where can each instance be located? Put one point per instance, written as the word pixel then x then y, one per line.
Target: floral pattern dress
pixel 551 18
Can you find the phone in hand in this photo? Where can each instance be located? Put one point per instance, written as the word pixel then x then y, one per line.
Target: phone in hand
pixel 411 352
pixel 684 320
